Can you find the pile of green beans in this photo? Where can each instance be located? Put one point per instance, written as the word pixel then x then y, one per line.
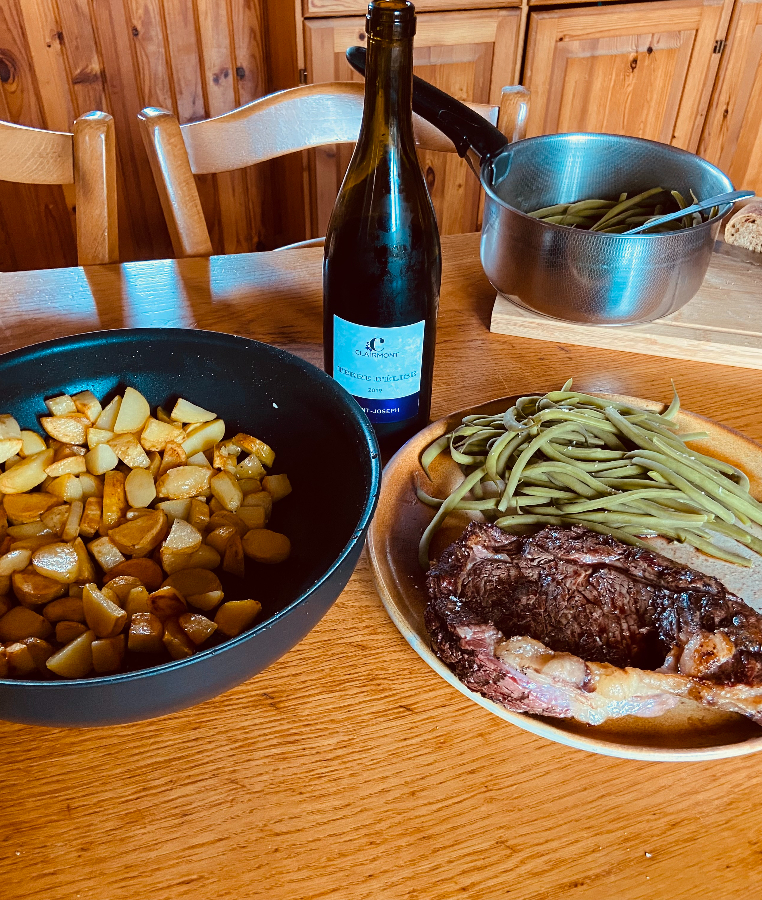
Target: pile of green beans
pixel 617 216
pixel 568 458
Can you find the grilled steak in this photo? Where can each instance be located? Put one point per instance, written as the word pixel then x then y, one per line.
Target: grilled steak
pixel 557 621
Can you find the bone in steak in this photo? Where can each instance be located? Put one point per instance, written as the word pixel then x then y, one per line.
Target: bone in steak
pixel 568 622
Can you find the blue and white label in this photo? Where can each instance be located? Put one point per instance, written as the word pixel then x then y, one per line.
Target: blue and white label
pixel 380 367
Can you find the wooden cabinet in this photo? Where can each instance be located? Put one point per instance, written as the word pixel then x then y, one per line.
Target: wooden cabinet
pixel 732 137
pixel 644 69
pixel 469 54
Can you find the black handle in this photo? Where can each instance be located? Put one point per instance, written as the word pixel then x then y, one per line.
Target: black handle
pixel 462 125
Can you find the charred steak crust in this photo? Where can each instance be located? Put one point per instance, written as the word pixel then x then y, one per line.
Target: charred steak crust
pixel 582 593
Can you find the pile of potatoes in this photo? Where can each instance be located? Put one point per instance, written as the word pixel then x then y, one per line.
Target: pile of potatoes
pixel 111 529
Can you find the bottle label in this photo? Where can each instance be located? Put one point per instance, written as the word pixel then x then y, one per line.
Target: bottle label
pixel 380 367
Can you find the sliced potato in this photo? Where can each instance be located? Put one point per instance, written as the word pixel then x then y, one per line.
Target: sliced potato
pixel 140 488
pixel 121 587
pixel 277 486
pixel 225 488
pixel 98 436
pixel 108 654
pixel 86 571
pixel 69 429
pixel 66 488
pixel 145 633
pixel 91 517
pixel 183 483
pixel 87 403
pixel 114 500
pixel 106 554
pixel 67 609
pixel 235 616
pixel 59 561
pixel 71 526
pixel 175 509
pixel 224 458
pixel 177 642
pixel 67 631
pixel 198 514
pixel 71 465
pixel 63 405
pixel 20 622
pixel 31 443
pixel 249 486
pixel 252 517
pixel 265 546
pixel 128 449
pixel 33 589
pixel 20 659
pixel 31 529
pixel 21 508
pixel 184 411
pixel 6 602
pixel 101 459
pixel 233 561
pixel 183 537
pixel 166 602
pixel 199 459
pixel 156 434
pixel 91 485
pixel 27 473
pixel 146 570
pixel 139 536
pixel 190 582
pixel 262 499
pixel 204 437
pixel 204 558
pixel 197 627
pixel 250 467
pixel 223 517
pixel 103 616
pixel 75 660
pixel 221 537
pixel 133 412
pixel 10 447
pixel 107 419
pixel 137 601
pixel 250 444
pixel 173 456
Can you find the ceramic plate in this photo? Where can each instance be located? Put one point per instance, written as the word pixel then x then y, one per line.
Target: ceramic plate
pixel 687 732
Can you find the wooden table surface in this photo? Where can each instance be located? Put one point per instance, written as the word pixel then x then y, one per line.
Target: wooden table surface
pixel 348 769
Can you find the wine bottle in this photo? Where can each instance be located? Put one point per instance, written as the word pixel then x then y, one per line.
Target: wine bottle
pixel 382 265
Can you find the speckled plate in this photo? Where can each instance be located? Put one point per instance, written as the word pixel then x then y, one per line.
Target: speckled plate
pixel 689 731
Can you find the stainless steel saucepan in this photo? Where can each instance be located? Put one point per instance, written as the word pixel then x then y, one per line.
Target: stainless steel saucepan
pixel 566 273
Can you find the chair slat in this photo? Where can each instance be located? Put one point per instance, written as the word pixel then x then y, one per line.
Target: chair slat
pixel 34 156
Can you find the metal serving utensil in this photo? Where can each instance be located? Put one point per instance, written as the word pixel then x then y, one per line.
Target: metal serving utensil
pixel 718 200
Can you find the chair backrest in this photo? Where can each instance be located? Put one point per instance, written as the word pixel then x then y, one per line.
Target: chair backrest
pixel 296 119
pixel 86 159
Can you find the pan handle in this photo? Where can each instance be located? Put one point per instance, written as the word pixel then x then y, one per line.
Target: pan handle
pixel 464 127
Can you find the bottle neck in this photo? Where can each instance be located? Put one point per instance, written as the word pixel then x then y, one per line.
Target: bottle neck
pixel 388 112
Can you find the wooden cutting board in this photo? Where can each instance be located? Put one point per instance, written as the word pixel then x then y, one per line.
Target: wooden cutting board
pixel 721 324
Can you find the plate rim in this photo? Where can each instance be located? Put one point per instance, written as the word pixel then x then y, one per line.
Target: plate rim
pixel 541 726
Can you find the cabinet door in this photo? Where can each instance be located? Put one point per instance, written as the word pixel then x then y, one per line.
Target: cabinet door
pixel 644 69
pixel 471 55
pixel 732 137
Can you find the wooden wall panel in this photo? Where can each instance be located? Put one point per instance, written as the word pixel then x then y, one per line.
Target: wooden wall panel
pixel 61 58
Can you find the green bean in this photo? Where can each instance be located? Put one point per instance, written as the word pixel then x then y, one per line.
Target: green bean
pixel 455 497
pixel 627 204
pixel 523 459
pixel 549 211
pixel 432 452
pixel 568 458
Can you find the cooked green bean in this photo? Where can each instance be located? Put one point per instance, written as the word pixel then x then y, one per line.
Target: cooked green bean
pixel 617 216
pixel 543 461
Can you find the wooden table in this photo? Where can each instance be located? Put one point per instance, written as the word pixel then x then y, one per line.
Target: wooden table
pixel 349 770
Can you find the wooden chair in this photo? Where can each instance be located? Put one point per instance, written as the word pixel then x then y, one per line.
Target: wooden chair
pixel 86 159
pixel 296 119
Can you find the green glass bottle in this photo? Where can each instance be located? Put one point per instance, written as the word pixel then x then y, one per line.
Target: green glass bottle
pixel 382 266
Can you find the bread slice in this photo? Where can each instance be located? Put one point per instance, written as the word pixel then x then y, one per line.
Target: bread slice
pixel 745 228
